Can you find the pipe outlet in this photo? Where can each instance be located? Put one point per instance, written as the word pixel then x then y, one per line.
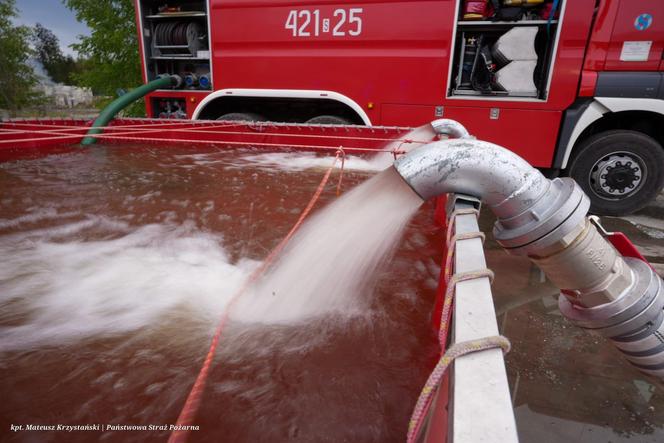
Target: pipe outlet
pixel 619 298
pixel 450 128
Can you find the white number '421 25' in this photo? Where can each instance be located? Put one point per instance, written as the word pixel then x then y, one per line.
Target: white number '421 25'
pixel 306 23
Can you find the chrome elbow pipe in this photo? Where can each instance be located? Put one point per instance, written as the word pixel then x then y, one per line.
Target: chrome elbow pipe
pixel 619 298
pixel 502 179
pixel 449 128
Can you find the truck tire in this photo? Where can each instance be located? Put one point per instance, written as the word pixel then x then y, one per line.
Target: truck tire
pixel 620 170
pixel 328 120
pixel 242 116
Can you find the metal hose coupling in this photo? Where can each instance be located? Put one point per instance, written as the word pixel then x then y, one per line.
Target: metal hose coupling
pixel 617 297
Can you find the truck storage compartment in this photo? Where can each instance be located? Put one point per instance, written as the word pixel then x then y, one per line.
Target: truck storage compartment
pixel 495 57
pixel 176 41
pixel 164 107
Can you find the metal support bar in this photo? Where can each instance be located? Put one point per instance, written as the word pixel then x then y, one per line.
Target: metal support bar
pixel 481 404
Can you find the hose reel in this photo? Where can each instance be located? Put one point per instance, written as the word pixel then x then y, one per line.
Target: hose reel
pixel 183 38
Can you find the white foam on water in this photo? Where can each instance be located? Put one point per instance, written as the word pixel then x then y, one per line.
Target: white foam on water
pixel 199 159
pixel 300 161
pixel 61 292
pixel 330 265
pixel 63 231
pixel 37 215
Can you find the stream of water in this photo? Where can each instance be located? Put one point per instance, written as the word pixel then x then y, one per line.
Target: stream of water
pixel 332 261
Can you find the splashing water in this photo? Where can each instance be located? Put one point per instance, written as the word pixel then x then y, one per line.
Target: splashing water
pixel 329 264
pixel 300 161
pixel 78 290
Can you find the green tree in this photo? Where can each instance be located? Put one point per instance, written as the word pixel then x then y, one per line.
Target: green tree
pixel 17 80
pixel 111 51
pixel 47 47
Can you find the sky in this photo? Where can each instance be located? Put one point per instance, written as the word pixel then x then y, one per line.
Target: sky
pixel 53 15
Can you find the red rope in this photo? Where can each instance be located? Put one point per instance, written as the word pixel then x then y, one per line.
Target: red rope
pixel 36 122
pixel 138 129
pixel 203 129
pixel 148 123
pixel 34 139
pixel 233 143
pixel 128 137
pixel 195 141
pixel 59 135
pixel 341 172
pixel 192 404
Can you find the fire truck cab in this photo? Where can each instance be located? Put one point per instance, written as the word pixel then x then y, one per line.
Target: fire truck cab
pixel 574 87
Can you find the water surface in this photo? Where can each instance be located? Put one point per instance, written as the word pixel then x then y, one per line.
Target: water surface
pixel 116 263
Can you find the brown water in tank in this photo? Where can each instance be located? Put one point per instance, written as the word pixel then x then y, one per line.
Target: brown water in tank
pixel 116 262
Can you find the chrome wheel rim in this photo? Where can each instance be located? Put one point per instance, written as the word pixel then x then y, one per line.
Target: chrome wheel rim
pixel 617 175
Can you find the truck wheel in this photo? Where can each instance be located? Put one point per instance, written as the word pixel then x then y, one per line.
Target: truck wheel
pixel 242 116
pixel 328 120
pixel 620 171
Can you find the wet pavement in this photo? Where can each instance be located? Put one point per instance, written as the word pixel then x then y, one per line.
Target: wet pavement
pixel 568 385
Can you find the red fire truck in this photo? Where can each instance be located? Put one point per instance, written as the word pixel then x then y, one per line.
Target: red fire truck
pixel 572 86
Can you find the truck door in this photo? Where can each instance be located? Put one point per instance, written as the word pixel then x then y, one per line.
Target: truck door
pixel 637 38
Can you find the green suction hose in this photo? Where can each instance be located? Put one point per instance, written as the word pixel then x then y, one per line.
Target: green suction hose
pixel 117 105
